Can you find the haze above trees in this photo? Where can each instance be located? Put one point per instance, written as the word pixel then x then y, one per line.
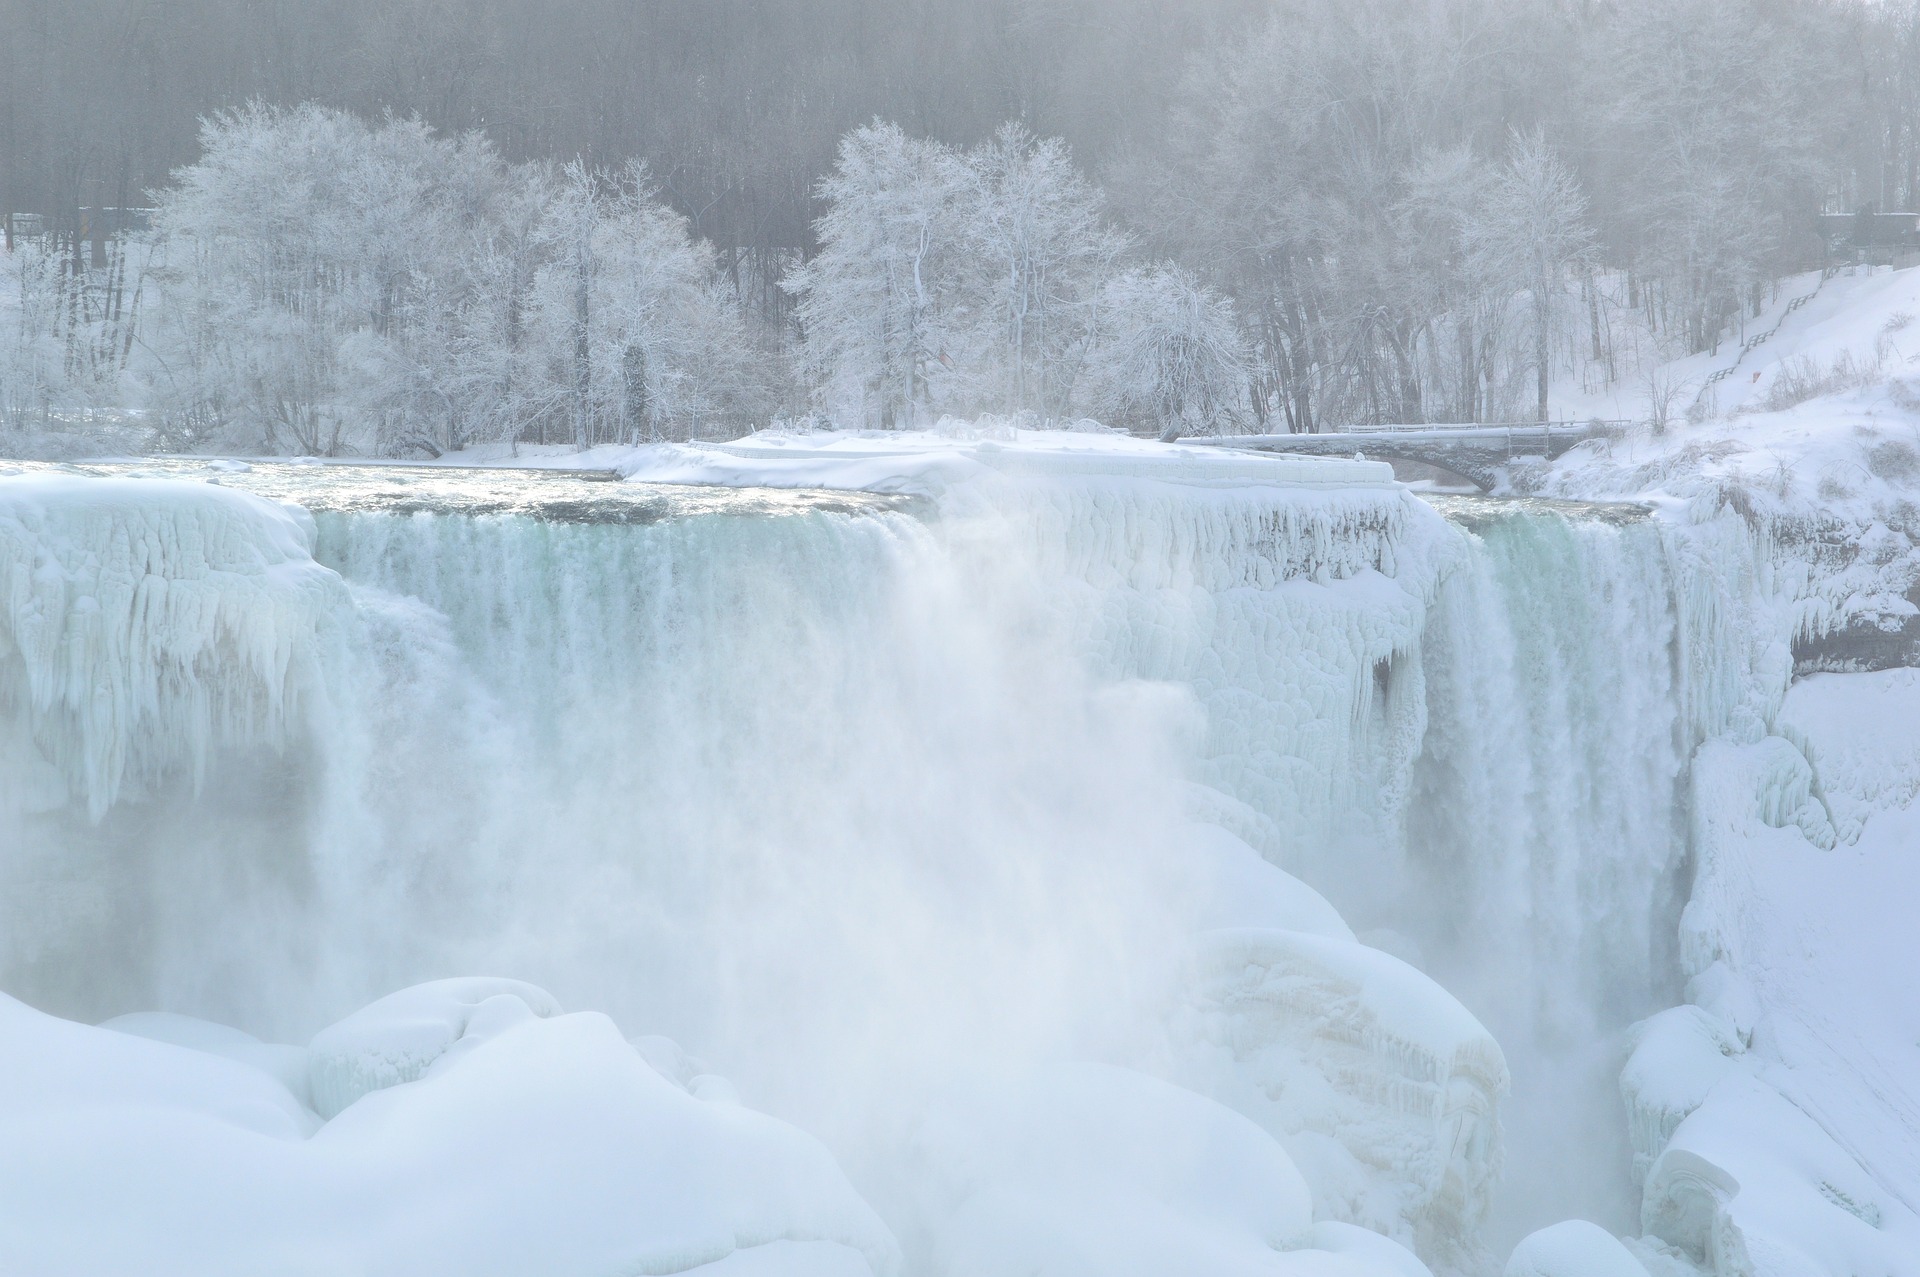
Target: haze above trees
pixel 409 227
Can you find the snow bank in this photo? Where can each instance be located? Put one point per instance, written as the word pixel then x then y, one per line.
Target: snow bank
pixel 1778 1119
pixel 287 1065
pixel 1092 1171
pixel 929 462
pixel 546 1145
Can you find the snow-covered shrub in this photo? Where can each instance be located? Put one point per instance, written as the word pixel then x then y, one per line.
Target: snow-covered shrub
pixel 1801 379
pixel 1168 355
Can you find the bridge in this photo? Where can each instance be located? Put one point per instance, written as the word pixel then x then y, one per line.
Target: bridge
pixel 1477 453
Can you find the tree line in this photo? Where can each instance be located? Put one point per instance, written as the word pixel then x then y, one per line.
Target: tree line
pixel 318 283
pixel 410 226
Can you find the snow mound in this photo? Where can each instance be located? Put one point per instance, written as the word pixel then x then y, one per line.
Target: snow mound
pixel 1380 1084
pixel 1678 1057
pixel 1751 1184
pixel 1093 1171
pixel 287 1065
pixel 143 622
pixel 1237 888
pixel 1573 1248
pixel 542 1145
pixel 404 1034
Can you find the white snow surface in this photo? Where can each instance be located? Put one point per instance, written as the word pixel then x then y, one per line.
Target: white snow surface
pixel 1798 1144
pixel 548 1145
pixel 928 462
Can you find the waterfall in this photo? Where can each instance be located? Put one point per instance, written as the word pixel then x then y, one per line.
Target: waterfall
pixel 1545 837
pixel 828 795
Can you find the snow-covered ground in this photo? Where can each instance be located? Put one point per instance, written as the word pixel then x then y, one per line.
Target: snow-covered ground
pixel 928 462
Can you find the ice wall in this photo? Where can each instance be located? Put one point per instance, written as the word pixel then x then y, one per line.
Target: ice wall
pixel 142 623
pixel 160 646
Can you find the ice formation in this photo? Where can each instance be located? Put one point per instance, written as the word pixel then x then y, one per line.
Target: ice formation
pixel 1384 1089
pixel 405 1034
pixel 144 622
pixel 1190 861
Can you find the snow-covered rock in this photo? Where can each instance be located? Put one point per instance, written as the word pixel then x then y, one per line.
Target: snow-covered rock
pixel 1384 1089
pixel 535 1145
pixel 1092 1171
pixel 403 1035
pixel 1573 1248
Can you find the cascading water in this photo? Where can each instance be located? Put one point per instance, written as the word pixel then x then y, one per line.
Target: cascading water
pixel 1545 834
pixel 853 803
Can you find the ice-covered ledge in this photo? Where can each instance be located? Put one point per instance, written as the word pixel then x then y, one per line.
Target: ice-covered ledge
pixel 928 461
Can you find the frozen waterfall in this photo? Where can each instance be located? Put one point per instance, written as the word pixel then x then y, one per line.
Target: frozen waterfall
pixel 1367 822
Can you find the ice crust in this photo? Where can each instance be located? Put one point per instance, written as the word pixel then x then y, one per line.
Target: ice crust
pixel 1382 1086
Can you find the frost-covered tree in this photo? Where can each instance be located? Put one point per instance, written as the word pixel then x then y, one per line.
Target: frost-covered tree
pixel 1463 300
pixel 951 281
pixel 1038 237
pixel 62 346
pixel 296 256
pixel 1527 235
pixel 1168 354
pixel 332 285
pixel 883 303
pixel 634 338
pixel 1711 193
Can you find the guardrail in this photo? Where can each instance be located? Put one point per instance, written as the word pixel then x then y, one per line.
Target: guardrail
pixel 1568 426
